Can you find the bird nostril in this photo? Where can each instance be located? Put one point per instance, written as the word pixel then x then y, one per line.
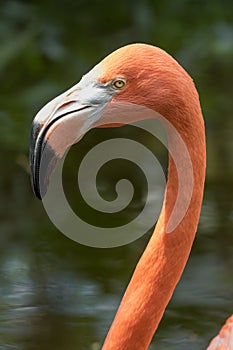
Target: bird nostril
pixel 65 104
pixel 73 91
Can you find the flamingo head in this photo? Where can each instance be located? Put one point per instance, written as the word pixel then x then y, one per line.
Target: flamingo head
pixel 137 73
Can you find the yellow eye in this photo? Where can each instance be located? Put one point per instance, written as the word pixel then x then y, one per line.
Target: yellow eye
pixel 118 84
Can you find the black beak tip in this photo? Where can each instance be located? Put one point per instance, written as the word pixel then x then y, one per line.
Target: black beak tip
pixel 35 130
pixel 43 160
pixel 36 190
pixel 44 166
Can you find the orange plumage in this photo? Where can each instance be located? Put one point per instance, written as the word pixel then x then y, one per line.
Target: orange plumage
pixel 154 80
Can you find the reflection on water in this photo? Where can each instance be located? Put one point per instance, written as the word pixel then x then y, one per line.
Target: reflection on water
pixel 55 293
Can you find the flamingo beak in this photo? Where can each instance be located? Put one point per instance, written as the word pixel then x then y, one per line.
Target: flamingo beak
pixel 60 124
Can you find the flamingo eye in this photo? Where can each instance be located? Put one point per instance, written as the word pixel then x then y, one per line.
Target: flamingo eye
pixel 118 83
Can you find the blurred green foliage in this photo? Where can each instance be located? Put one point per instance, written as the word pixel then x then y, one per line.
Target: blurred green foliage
pixel 45 47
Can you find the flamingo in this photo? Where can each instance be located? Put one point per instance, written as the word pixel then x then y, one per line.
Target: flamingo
pixel 146 75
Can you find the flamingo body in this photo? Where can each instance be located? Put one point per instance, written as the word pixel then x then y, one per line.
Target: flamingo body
pixel 224 340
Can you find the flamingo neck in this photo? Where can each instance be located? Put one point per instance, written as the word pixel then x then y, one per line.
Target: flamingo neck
pixel 163 261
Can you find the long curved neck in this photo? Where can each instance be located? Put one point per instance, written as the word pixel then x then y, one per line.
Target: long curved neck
pixel 164 259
